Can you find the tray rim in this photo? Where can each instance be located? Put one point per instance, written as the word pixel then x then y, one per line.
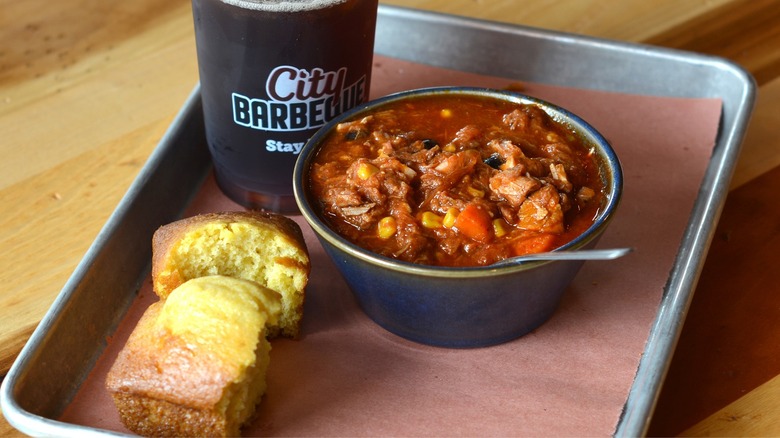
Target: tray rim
pixel 677 296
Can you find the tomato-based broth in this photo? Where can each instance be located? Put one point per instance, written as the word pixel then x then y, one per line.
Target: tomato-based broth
pixel 454 180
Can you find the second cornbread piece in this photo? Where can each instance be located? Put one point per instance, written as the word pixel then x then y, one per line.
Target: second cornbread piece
pixel 195 364
pixel 263 247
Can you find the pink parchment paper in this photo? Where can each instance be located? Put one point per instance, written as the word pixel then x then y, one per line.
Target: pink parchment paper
pixel 571 376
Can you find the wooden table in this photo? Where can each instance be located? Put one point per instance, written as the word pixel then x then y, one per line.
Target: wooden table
pixel 87 88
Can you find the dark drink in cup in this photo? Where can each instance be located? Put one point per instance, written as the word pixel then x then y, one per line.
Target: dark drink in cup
pixel 272 73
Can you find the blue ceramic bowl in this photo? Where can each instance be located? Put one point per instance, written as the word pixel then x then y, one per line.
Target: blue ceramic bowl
pixel 457 307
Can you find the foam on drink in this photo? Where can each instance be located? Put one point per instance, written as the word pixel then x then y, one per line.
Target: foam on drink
pixel 283 5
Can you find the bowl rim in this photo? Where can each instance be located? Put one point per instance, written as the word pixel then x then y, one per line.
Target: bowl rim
pixel 614 183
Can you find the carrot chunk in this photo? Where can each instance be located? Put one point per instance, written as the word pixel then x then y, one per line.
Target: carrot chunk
pixel 475 223
pixel 533 244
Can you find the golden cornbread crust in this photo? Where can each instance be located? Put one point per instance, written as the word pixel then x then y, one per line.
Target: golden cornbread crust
pixel 150 417
pixel 263 247
pixel 195 363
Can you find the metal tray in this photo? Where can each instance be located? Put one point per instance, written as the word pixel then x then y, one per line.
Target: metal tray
pixel 72 335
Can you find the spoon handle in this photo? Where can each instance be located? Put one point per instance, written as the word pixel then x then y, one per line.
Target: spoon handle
pixel 583 254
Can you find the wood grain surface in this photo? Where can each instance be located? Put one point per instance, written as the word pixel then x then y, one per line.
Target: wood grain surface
pixel 88 87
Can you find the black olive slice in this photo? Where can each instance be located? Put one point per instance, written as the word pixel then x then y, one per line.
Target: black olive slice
pixel 429 144
pixel 354 134
pixel 495 161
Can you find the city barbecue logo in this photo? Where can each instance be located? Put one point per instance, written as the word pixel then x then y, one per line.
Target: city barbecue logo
pixel 298 100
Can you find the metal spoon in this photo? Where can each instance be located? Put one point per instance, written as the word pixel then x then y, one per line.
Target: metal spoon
pixel 583 254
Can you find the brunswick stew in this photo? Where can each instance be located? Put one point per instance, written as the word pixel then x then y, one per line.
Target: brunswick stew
pixel 451 180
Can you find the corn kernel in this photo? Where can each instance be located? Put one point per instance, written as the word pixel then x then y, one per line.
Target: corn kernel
pixel 431 220
pixel 449 148
pixel 365 170
pixel 387 227
pixel 446 113
pixel 498 227
pixel 475 192
pixel 449 218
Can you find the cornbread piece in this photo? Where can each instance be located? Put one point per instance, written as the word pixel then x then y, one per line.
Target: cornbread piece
pixel 195 363
pixel 263 247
